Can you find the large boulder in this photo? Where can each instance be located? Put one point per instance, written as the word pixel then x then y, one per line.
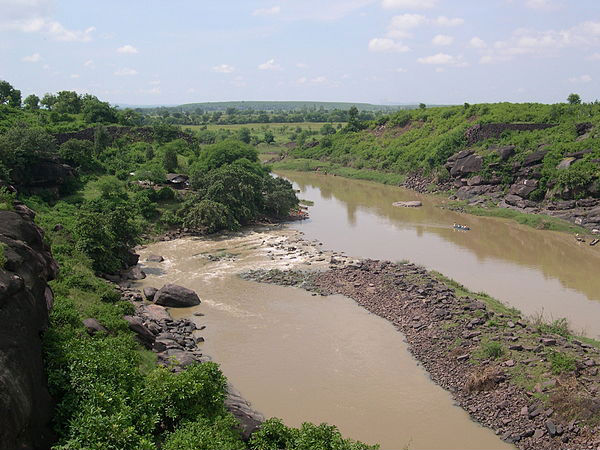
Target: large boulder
pixel 506 152
pixel 25 298
pixel 176 296
pixel 143 334
pixel 156 313
pixel 464 162
pixel 523 188
pixel 534 158
pixel 149 293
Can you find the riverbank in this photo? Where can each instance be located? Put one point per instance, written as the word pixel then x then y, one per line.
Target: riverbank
pixel 534 384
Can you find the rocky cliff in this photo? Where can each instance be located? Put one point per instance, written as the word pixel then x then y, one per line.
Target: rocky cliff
pixel 25 299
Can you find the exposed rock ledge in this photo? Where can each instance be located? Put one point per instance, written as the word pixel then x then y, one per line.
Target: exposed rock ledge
pixel 25 299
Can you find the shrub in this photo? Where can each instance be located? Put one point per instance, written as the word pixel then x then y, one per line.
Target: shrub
pixel 492 349
pixel 78 153
pixel 560 362
pixel 7 199
pixel 2 255
pixel 210 216
pixel 203 434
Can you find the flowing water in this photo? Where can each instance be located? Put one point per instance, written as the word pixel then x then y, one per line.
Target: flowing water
pixel 302 357
pixel 310 358
pixel 532 270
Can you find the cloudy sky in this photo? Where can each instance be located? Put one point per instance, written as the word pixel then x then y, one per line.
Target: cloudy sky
pixel 377 51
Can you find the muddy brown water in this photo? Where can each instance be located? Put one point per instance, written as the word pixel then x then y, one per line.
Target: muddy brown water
pixel 309 358
pixel 535 271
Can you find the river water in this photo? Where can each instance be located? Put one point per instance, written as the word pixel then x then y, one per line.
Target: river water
pixel 302 357
pixel 537 272
pixel 309 358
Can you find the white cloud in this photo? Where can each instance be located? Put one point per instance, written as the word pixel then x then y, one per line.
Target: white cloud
pixel 301 65
pixel 477 42
pixel 443 59
pixel 130 49
pixel 269 65
pixel 543 43
pixel 442 39
pixel 319 80
pixel 126 72
pixel 386 45
pixel 74 75
pixel 408 4
pixel 444 21
pixel 581 79
pixel 34 16
pixel 32 58
pixel 301 80
pixel 223 68
pixel 154 82
pixel 401 25
pixel 89 64
pixel 267 11
pixel 594 57
pixel 400 70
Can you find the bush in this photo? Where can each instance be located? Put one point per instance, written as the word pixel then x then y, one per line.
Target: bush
pixel 7 199
pixel 492 349
pixel 560 362
pixel 78 153
pixel 203 434
pixel 2 255
pixel 210 216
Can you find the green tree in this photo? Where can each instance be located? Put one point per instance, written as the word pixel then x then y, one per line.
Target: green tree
pixel 78 153
pixel 101 139
pixel 48 101
pixel 225 152
pixel 96 111
pixel 422 106
pixel 269 137
pixel 9 95
pixel 69 102
pixel 244 135
pixel 327 129
pixel 170 159
pixel 23 146
pixel 32 102
pixel 574 99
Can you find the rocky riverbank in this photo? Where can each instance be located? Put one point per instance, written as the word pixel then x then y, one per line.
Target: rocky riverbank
pixel 533 383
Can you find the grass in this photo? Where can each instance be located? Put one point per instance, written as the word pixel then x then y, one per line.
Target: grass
pixel 560 362
pixel 537 221
pixel 307 165
pixel 491 349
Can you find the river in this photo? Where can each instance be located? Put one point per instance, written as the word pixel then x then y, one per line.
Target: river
pixel 535 271
pixel 301 357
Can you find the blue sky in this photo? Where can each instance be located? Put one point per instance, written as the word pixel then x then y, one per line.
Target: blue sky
pixel 377 51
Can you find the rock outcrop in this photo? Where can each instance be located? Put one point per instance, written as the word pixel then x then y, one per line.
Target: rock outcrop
pixel 481 132
pixel 25 299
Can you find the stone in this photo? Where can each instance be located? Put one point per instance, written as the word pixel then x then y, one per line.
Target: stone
pixel 548 341
pixel 538 433
pixel 156 312
pixel 565 163
pixel 248 418
pixel 517 348
pixel 523 188
pixel 509 363
pixel 149 293
pixel 550 427
pixel 155 258
pixel 134 273
pixel 464 357
pixel 475 181
pixel 173 295
pixel 469 164
pixel 143 334
pixel 408 204
pixel 506 152
pixel 534 158
pixel 92 326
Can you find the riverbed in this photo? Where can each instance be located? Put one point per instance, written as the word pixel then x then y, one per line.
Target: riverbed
pixel 309 358
pixel 535 271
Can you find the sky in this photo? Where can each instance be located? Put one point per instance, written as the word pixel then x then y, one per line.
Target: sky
pixel 377 51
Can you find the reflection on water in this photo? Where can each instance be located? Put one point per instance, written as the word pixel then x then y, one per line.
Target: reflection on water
pixel 532 270
pixel 310 358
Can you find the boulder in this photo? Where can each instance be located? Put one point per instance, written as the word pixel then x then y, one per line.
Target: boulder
pixel 248 418
pixel 173 295
pixel 506 152
pixel 580 154
pixel 155 258
pixel 523 188
pixel 92 326
pixel 475 181
pixel 534 158
pixel 467 164
pixel 143 334
pixel 156 313
pixel 149 293
pixel 135 273
pixel 410 204
pixel 566 163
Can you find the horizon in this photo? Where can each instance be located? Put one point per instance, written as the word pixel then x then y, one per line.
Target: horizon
pixel 381 52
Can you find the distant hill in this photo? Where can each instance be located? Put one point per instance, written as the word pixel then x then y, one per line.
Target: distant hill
pixel 280 106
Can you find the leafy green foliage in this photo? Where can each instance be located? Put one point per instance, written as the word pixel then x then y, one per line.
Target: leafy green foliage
pixel 2 255
pixel 214 156
pixel 203 434
pixel 6 199
pixel 209 215
pixel 22 146
pixel 78 153
pixel 492 349
pixel 273 435
pixel 560 362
